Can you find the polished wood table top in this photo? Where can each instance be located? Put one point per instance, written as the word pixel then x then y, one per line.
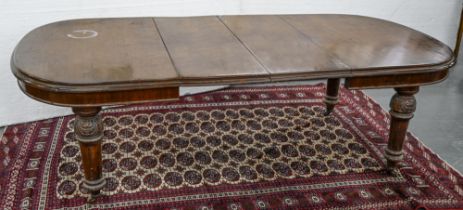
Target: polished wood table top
pixel 119 54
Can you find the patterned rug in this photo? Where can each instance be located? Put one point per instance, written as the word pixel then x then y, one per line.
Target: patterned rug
pixel 246 148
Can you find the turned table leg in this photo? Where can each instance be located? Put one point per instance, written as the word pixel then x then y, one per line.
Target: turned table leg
pixel 88 129
pixel 403 104
pixel 331 97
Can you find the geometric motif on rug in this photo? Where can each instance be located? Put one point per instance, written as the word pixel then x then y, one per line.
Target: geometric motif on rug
pixel 177 149
pixel 242 148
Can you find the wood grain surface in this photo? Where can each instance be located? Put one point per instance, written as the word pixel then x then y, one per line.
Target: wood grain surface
pixel 122 50
pixel 120 54
pixel 280 48
pixel 366 44
pixel 202 47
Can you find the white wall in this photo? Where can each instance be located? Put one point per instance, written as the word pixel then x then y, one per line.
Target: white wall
pixel 438 18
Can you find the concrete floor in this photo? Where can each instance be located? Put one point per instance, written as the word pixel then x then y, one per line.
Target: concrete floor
pixel 438 120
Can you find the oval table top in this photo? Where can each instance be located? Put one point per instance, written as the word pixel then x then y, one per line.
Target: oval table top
pixel 130 53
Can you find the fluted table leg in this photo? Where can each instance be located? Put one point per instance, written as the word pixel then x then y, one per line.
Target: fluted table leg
pixel 331 97
pixel 403 105
pixel 88 129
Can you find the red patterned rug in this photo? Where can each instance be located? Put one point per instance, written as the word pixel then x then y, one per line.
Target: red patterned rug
pixel 247 148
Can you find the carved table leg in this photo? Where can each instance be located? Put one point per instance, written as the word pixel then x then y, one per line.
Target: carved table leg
pixel 88 129
pixel 331 97
pixel 403 104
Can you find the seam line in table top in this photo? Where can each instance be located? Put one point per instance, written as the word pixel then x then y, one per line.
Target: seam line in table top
pixel 316 43
pixel 167 49
pixel 247 48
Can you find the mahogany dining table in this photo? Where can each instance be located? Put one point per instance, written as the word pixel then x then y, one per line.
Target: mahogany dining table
pixel 89 63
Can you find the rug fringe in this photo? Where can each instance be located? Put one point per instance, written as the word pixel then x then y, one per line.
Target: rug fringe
pixel 432 152
pixel 2 131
